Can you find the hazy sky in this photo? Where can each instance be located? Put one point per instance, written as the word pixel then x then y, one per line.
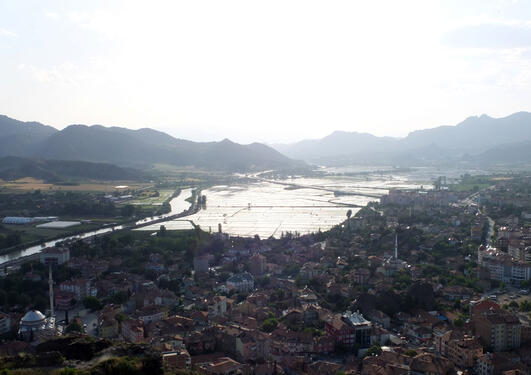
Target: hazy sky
pixel 264 70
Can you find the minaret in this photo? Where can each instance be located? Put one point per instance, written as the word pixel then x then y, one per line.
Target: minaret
pixel 50 285
pixel 396 246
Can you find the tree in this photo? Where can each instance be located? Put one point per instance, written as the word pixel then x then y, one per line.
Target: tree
pixel 128 210
pixel 92 303
pixel 74 327
pixel 120 317
pixel 269 325
pixel 525 306
pixel 119 297
pixel 374 351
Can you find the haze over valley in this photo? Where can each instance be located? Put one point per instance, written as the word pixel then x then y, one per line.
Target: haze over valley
pixel 478 140
pixel 281 187
pixel 475 142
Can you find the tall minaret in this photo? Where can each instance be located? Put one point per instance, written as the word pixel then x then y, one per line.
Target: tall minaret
pixel 50 285
pixel 396 246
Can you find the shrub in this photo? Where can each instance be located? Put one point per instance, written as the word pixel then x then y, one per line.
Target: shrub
pixel 269 325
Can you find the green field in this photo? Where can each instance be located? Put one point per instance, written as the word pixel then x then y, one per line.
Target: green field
pixel 147 200
pixel 472 183
pixel 471 187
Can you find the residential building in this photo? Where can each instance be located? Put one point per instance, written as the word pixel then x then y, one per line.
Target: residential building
pixel 201 263
pixel 349 329
pixel 108 326
pixel 498 330
pixel 257 264
pixel 361 275
pixel 464 352
pixel 429 364
pixel 55 255
pixel 218 306
pixel 150 314
pixel 240 282
pixel 380 318
pixel 223 366
pixel 80 288
pixel 64 300
pixel 502 267
pixel 133 330
pixel 177 360
pixel 497 363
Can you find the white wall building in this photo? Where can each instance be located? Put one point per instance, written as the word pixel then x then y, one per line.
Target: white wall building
pixel 55 255
pixel 240 282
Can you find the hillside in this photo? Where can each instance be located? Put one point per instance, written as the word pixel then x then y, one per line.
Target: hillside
pixel 135 148
pixel 12 168
pixel 17 137
pixel 475 134
pixel 337 144
pixel 517 153
pixel 480 140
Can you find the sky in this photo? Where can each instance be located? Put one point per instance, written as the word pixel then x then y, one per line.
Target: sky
pixel 267 71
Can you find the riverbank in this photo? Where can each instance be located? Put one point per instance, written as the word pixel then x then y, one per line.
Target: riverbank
pixel 175 204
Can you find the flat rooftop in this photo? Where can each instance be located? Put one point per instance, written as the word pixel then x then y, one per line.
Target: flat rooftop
pixel 59 224
pixel 356 319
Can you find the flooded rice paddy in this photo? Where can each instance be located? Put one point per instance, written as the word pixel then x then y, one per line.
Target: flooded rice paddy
pixel 269 208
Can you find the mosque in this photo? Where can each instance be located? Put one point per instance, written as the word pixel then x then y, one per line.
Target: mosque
pixel 393 264
pixel 34 325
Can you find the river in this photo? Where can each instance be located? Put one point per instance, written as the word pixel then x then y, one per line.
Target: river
pixel 271 207
pixel 177 204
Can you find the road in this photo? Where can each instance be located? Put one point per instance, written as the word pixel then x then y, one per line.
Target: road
pixel 471 200
pixel 335 191
pixel 90 319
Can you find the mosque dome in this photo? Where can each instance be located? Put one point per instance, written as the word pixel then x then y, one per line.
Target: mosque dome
pixel 33 319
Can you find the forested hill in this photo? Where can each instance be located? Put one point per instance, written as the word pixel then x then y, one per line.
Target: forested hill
pixel 12 168
pixel 137 148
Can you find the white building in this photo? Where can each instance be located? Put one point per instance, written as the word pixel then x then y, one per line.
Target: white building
pixel 34 326
pixel 240 282
pixel 55 255
pixel 16 220
pixel 79 287
pixel 503 267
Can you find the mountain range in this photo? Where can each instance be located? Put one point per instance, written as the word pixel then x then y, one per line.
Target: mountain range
pixel 477 140
pixel 132 148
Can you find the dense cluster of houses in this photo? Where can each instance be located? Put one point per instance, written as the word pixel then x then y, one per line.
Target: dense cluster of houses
pixel 303 305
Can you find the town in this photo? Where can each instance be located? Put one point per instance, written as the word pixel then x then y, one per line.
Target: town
pixel 429 282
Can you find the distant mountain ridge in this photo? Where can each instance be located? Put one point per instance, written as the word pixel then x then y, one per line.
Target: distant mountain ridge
pixel 138 148
pixel 337 143
pixel 17 137
pixel 476 139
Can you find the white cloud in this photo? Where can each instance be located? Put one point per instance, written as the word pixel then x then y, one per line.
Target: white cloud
pixel 5 32
pixel 273 70
pixel 52 15
pixel 65 73
pixel 492 35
